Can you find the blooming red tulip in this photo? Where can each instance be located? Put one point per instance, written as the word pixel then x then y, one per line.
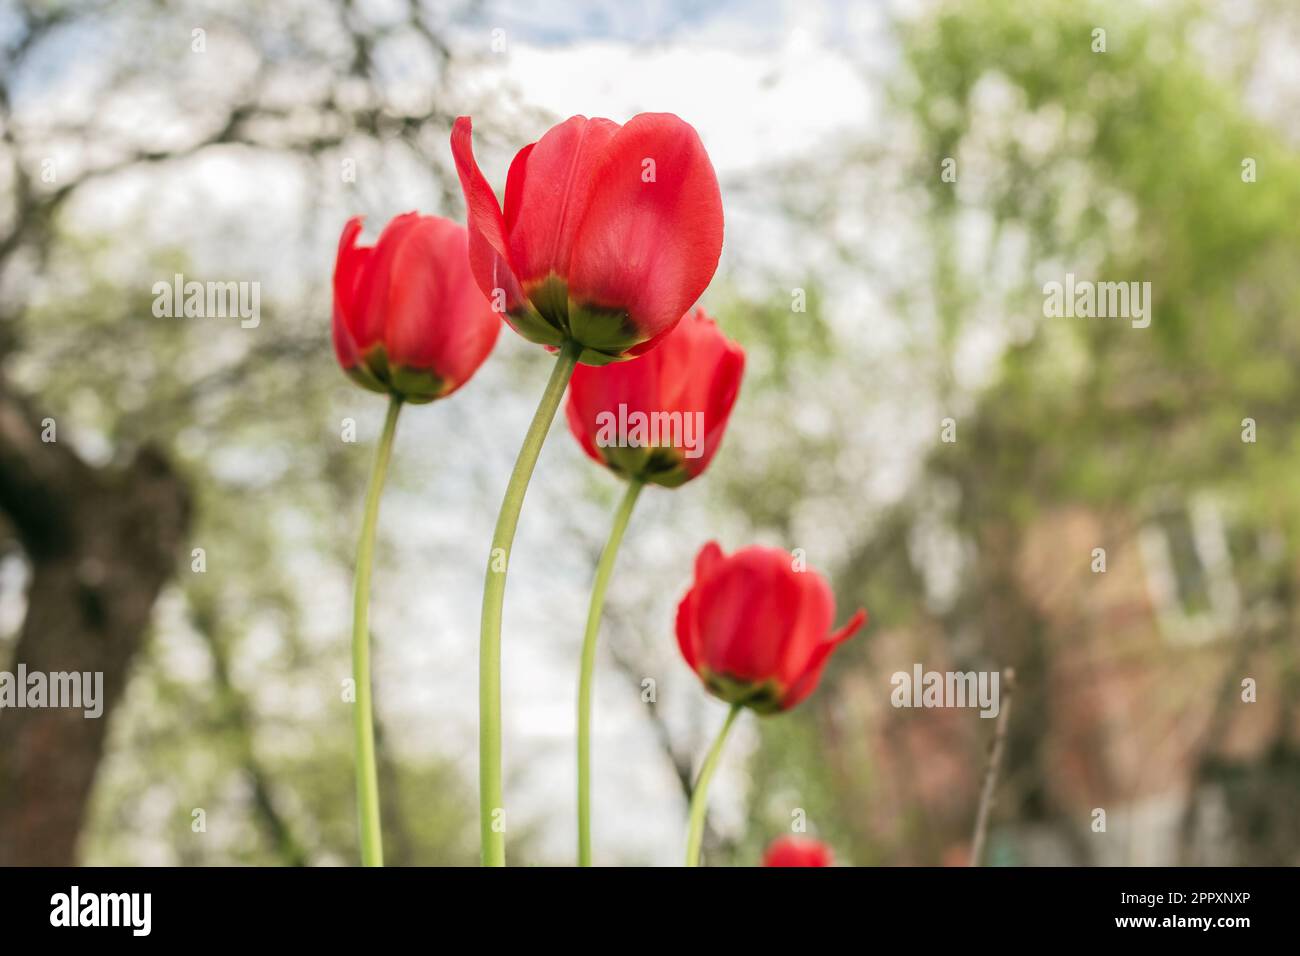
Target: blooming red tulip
pixel 793 851
pixel 409 319
pixel 608 235
pixel 661 417
pixel 757 631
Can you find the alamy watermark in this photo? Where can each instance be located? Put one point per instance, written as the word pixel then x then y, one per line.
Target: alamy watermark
pixel 58 689
pixel 1085 299
pixel 922 688
pixel 624 429
pixel 179 299
pixel 130 910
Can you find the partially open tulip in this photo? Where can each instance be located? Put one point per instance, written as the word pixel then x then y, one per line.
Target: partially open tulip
pixel 661 417
pixel 796 851
pixel 756 630
pixel 608 235
pixel 409 319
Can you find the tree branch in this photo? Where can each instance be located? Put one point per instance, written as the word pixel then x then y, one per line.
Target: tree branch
pixel 994 766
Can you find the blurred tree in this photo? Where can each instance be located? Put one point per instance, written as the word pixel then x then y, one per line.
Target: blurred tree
pixel 160 420
pixel 1120 165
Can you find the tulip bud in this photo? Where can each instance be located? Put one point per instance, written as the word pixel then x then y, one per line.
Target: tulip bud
pixel 756 631
pixel 589 247
pixel 409 320
pixel 796 851
pixel 661 417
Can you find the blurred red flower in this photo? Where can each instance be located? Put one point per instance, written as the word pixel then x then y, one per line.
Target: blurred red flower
pixel 408 317
pixel 608 235
pixel 796 851
pixel 756 630
pixel 661 417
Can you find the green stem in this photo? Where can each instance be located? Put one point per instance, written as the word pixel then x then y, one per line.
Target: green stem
pixel 363 718
pixel 699 795
pixel 492 831
pixel 604 570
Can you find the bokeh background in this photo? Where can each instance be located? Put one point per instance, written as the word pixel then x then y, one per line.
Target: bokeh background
pixel 133 148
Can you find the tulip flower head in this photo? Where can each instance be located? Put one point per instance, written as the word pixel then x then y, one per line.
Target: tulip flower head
pixel 756 630
pixel 796 851
pixel 661 417
pixel 608 234
pixel 409 319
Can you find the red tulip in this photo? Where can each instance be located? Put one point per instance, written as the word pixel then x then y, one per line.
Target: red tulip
pixel 409 319
pixel 608 235
pixel 661 417
pixel 757 631
pixel 793 851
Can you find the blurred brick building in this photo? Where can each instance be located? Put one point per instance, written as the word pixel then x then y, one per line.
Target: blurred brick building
pixel 1130 700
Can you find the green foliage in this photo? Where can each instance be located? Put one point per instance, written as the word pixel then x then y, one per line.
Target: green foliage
pixel 1117 166
pixel 1151 143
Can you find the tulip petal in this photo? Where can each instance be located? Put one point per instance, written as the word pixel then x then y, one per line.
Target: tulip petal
pixel 693 378
pixel 809 630
pixel 371 320
pixel 708 561
pixel 807 682
pixel 648 245
pixel 796 851
pixel 750 608
pixel 488 249
pixel 755 629
pixel 596 391
pixel 411 320
pixel 855 623
pixel 702 370
pixel 554 188
pixel 438 320
pixel 722 399
pixel 581 416
pixel 515 180
pixel 688 632
pixel 650 344
pixel 349 267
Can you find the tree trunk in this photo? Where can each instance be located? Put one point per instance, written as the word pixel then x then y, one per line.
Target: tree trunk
pixel 102 542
